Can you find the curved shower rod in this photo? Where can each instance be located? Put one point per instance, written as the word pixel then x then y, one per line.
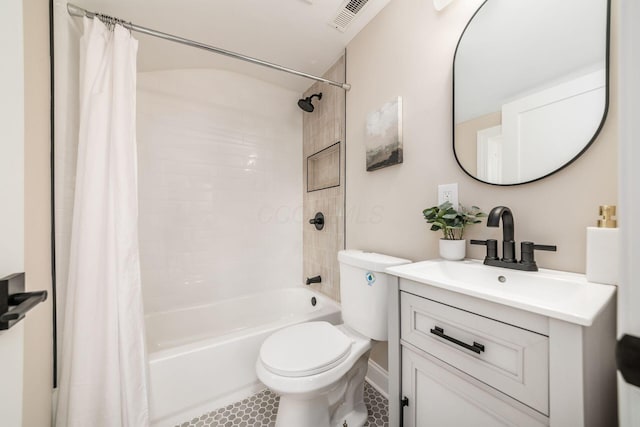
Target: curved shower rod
pixel 80 12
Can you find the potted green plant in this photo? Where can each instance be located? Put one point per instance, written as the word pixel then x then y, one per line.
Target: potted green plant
pixel 452 223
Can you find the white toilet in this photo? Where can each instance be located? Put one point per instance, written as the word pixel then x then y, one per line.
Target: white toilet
pixel 317 368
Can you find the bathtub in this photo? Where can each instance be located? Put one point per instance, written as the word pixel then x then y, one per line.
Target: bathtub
pixel 202 358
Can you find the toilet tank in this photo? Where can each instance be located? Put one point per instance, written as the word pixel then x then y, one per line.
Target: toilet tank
pixel 364 291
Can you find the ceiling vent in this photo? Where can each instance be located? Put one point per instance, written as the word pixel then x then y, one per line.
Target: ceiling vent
pixel 347 12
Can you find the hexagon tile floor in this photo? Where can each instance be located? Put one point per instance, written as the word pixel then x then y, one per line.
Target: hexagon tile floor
pixel 261 409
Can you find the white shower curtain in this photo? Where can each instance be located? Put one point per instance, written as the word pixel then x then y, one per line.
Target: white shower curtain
pixel 103 379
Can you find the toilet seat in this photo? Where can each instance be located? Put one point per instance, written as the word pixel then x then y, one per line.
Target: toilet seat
pixel 305 349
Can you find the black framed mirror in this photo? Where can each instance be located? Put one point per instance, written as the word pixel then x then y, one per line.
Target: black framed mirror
pixel 530 87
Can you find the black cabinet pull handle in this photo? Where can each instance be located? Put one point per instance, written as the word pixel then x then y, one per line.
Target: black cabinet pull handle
pixel 476 348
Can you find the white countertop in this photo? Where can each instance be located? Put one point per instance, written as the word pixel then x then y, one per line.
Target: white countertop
pixel 556 294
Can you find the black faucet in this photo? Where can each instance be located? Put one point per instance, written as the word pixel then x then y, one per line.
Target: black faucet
pixel 315 279
pixel 508 260
pixel 508 244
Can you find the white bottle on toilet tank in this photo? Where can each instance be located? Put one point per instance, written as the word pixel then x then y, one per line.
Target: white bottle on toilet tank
pixel 364 291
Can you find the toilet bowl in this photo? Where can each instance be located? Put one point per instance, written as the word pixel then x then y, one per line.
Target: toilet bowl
pixel 317 368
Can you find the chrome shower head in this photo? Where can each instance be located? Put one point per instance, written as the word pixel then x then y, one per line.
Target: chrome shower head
pixel 306 105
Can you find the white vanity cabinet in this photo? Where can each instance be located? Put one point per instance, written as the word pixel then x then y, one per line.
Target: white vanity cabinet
pixel 474 360
pixel 508 358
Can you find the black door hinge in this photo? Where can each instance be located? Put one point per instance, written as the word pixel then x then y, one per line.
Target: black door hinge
pixel 405 401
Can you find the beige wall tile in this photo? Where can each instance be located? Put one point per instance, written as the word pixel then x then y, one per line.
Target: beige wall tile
pixel 321 129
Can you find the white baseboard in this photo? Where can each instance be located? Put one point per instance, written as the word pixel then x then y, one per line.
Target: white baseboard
pixel 378 378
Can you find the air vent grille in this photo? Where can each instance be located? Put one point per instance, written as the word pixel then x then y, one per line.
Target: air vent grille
pixel 354 6
pixel 348 10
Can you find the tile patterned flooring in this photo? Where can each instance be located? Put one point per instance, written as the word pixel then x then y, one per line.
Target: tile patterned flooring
pixel 261 409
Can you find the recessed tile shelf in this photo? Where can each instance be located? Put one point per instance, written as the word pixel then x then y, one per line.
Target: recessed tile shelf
pixel 323 168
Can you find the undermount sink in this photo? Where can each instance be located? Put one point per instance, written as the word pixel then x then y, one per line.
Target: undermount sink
pixel 558 294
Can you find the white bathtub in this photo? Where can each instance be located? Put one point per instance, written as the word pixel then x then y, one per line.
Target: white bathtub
pixel 202 358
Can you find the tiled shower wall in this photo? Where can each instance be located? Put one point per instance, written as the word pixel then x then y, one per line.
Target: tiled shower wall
pixel 220 182
pixel 322 128
pixel 220 186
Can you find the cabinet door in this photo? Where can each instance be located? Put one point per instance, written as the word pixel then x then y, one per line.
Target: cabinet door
pixel 441 398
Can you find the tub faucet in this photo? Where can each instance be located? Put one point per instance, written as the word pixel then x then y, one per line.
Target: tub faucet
pixel 508 242
pixel 315 279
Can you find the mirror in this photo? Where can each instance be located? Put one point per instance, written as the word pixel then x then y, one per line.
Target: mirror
pixel 530 87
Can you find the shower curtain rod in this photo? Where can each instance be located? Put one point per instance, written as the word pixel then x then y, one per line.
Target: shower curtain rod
pixel 80 12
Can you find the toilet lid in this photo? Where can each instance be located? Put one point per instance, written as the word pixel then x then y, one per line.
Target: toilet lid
pixel 305 349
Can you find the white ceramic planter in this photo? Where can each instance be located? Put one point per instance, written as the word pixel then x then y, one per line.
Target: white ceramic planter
pixel 453 250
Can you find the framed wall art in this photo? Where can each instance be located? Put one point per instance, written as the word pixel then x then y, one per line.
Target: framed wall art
pixel 383 141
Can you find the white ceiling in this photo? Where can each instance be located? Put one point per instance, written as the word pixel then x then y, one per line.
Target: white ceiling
pixel 292 33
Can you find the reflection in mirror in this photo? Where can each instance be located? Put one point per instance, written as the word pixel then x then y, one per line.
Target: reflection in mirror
pixel 530 87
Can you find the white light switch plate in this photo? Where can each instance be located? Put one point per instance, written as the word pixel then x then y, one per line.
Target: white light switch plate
pixel 448 193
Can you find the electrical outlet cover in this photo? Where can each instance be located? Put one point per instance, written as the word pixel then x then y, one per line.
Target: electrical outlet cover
pixel 448 193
